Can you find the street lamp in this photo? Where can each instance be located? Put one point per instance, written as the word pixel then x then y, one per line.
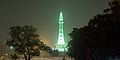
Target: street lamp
pixel 2 57
pixel 6 54
pixel 11 47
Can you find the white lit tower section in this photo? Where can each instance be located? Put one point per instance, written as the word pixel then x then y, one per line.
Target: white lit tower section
pixel 60 46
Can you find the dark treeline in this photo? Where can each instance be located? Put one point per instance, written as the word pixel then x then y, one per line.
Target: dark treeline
pixel 25 41
pixel 99 40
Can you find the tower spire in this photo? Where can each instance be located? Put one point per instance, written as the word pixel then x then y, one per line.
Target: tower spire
pixel 60 43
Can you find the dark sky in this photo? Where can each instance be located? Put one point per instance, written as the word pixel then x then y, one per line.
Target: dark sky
pixel 44 14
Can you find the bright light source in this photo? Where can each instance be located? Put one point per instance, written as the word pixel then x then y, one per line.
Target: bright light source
pixel 6 54
pixel 11 47
pixel 2 57
pixel 60 43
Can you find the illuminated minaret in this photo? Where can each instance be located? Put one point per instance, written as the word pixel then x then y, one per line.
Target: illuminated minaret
pixel 60 46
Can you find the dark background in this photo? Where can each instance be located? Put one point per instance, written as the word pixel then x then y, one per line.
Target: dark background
pixel 43 14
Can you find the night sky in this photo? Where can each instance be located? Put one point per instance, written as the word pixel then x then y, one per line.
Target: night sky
pixel 43 14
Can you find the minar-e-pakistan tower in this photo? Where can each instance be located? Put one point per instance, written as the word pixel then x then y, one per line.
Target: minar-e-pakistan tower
pixel 61 44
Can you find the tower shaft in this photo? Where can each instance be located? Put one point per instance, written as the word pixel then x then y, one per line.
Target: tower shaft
pixel 61 42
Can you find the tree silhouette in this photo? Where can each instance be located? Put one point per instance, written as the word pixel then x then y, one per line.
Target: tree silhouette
pixel 99 40
pixel 25 41
pixel 14 56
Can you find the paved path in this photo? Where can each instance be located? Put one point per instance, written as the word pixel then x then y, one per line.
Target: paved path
pixel 50 58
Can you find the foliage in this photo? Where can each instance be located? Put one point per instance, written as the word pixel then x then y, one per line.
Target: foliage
pixel 25 41
pixel 54 52
pixel 99 40
pixel 14 56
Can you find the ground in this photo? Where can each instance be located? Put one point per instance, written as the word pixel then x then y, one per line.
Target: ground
pixel 49 58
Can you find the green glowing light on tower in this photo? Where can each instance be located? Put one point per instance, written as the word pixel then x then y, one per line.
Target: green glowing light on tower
pixel 61 42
